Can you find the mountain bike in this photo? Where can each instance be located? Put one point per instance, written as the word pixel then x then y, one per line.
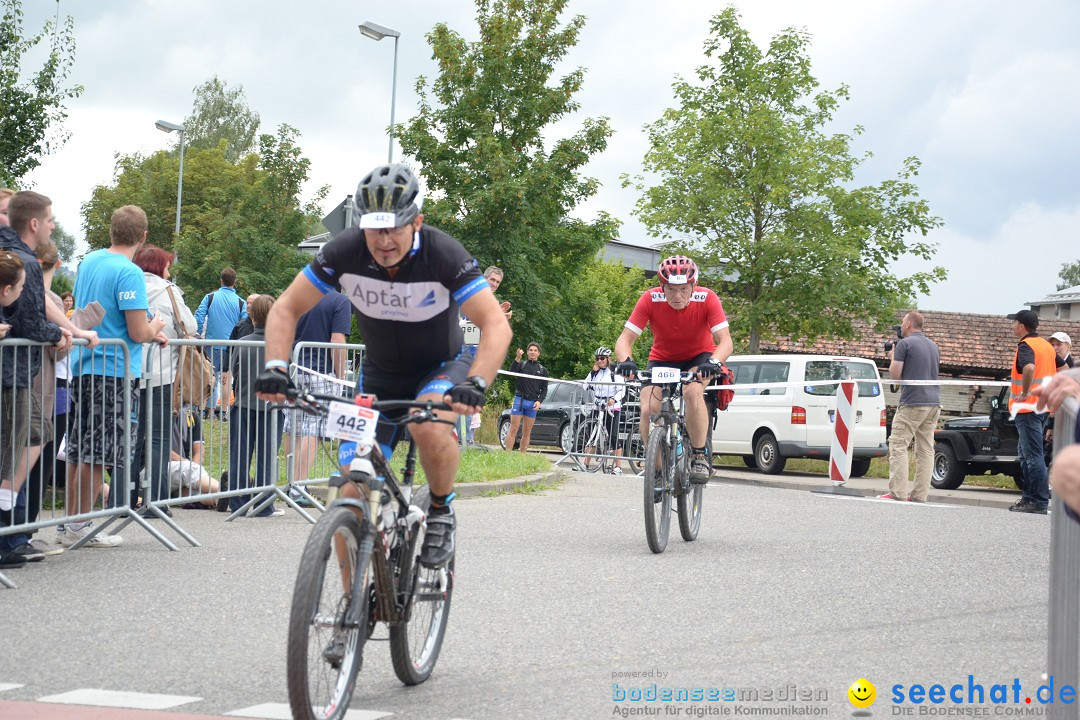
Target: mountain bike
pixel 361 566
pixel 591 438
pixel 667 463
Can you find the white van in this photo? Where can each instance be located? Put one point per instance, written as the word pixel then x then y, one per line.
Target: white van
pixel 768 425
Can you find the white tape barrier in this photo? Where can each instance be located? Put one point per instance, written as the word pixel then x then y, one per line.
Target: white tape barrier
pixel 770 385
pixel 1018 407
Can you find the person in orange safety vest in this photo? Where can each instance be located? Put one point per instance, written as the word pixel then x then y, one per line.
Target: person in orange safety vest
pixel 1035 359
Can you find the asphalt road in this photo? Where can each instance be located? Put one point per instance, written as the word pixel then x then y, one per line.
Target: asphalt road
pixel 558 598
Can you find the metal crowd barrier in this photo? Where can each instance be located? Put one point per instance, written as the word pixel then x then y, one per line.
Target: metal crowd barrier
pixel 222 456
pixel 571 403
pixel 1063 622
pixel 310 453
pixel 59 443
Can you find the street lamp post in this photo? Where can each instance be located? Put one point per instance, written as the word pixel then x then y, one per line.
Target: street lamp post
pixel 378 32
pixel 169 127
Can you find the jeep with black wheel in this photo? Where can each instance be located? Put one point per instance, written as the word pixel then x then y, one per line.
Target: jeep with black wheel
pixel 976 446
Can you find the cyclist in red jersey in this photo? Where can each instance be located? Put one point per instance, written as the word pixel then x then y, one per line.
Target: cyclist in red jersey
pixel 690 332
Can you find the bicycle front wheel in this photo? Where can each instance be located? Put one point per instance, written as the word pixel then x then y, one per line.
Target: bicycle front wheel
pixel 587 442
pixel 659 468
pixel 325 649
pixel 416 642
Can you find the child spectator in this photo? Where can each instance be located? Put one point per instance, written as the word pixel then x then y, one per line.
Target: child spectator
pixel 251 424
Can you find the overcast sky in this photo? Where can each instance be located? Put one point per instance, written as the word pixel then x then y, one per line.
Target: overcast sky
pixel 977 89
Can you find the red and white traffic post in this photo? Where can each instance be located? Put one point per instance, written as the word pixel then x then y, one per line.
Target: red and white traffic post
pixel 843 434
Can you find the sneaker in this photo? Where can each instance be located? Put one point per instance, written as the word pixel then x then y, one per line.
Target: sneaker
pixel 888 496
pixel 148 514
pixel 9 561
pixel 1027 506
pixel 438 547
pixel 223 503
pixel 28 552
pixel 912 499
pixel 45 547
pixel 275 512
pixel 699 469
pixel 616 470
pixel 72 536
pixel 658 486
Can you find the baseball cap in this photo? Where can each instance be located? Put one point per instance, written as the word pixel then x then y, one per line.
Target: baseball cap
pixel 1062 337
pixel 1027 318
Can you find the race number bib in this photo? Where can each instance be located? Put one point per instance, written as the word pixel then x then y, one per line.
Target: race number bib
pixel 661 375
pixel 351 422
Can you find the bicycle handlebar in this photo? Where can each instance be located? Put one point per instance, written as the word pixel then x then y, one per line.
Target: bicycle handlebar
pixel 315 403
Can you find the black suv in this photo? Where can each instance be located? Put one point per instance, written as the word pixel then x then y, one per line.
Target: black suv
pixel 977 446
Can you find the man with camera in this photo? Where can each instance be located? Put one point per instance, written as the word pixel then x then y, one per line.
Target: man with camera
pixel 915 357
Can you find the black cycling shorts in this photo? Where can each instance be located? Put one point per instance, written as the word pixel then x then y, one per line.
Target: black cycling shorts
pixel 405 387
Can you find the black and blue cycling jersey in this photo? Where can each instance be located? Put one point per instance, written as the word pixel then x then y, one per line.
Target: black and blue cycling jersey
pixel 409 322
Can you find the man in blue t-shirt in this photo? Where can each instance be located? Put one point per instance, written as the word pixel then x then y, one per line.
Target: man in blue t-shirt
pixel 216 316
pixel 102 379
pixel 329 321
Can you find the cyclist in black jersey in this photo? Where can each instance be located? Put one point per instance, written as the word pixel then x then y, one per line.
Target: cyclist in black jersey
pixel 406 282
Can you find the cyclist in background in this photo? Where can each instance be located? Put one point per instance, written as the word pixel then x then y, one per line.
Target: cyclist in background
pixel 690 332
pixel 608 397
pixel 406 281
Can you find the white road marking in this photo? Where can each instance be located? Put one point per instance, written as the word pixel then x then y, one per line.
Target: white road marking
pixel 899 503
pixel 116 698
pixel 281 711
pixel 4 687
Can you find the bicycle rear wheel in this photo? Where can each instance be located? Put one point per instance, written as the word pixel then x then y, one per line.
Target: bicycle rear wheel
pixel 325 650
pixel 634 451
pixel 587 441
pixel 688 503
pixel 659 467
pixel 416 642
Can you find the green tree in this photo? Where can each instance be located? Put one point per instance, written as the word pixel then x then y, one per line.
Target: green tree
pixel 247 214
pixel 33 111
pixel 748 175
pixel 62 284
pixel 494 180
pixel 221 114
pixel 65 243
pixel 1070 275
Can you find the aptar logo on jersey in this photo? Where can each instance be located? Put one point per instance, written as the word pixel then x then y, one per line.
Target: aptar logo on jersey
pixel 405 302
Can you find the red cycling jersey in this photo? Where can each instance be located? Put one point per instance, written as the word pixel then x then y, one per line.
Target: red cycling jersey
pixel 679 335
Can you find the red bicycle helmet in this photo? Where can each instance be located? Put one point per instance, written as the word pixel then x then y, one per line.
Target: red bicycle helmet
pixel 678 270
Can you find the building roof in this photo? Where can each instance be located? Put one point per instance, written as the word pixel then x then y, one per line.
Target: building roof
pixel 971 345
pixel 1068 295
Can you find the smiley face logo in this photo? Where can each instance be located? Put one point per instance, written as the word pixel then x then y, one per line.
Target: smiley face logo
pixel 862 693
